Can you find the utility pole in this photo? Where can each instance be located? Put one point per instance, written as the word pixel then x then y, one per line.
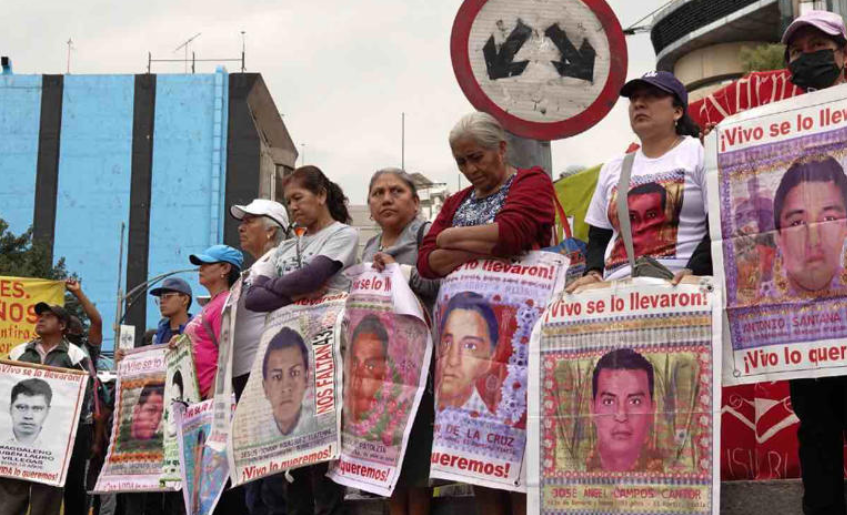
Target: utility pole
pixel 403 141
pixel 70 44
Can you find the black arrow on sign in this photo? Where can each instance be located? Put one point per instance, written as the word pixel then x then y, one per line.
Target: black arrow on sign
pixel 501 64
pixel 578 64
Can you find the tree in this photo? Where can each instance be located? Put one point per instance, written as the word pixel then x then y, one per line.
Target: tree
pixel 762 58
pixel 20 256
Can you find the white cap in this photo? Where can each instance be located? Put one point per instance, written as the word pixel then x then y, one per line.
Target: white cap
pixel 262 207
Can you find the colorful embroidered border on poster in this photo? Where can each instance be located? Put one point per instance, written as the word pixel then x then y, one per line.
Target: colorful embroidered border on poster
pixel 386 365
pixel 481 377
pixel 778 218
pixel 625 401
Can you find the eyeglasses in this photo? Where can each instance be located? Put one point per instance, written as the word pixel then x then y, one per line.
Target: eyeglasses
pixel 161 298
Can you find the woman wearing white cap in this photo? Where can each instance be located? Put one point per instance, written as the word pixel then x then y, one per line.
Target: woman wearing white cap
pixel 263 226
pixel 815 46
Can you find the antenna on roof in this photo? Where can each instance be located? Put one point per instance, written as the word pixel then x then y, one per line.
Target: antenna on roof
pixel 185 45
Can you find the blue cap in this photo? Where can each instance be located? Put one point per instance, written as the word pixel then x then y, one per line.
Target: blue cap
pixel 218 254
pixel 172 284
pixel 662 80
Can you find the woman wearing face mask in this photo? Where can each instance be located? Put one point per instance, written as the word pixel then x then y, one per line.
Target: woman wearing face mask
pixel 666 197
pixel 394 203
pixel 815 46
pixel 505 212
pixel 308 265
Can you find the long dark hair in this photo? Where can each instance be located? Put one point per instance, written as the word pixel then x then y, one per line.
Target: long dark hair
pixel 685 126
pixel 314 180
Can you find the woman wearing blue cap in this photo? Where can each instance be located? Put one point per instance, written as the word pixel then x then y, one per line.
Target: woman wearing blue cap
pixel 665 194
pixel 220 266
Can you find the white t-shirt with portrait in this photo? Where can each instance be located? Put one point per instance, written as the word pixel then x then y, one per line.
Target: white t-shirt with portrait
pixel 337 241
pixel 667 205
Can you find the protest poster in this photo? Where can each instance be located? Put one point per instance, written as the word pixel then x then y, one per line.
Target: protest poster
pixel 484 317
pixel 222 392
pixel 387 350
pixel 18 297
pixel 135 460
pixel 625 401
pixel 204 470
pixel 39 412
pixel 778 219
pixel 289 414
pixel 181 389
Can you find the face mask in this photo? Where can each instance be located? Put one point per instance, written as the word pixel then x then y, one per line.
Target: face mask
pixel 815 70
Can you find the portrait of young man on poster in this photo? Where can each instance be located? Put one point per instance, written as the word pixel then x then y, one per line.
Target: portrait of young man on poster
pixel 623 410
pixel 468 342
pixel 810 218
pixel 285 380
pixel 367 366
pixel 29 407
pixel 146 415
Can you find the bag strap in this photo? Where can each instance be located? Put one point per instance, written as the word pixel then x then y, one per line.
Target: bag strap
pixel 422 232
pixel 623 208
pixel 563 218
pixel 208 328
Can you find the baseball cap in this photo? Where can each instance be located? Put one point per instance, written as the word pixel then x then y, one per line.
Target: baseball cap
pixel 662 80
pixel 59 311
pixel 829 23
pixel 172 284
pixel 218 254
pixel 262 207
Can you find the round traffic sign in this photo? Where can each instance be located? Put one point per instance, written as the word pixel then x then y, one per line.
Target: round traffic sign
pixel 547 69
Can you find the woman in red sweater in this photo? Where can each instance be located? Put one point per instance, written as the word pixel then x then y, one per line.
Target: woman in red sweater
pixel 503 213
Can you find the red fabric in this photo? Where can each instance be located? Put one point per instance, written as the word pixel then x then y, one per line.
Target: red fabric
pixel 754 90
pixel 758 426
pixel 526 220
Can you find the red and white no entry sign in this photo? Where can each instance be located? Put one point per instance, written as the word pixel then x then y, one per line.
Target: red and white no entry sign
pixel 547 69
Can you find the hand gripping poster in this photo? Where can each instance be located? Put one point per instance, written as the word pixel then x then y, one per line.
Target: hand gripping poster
pixel 289 415
pixel 625 401
pixel 778 219
pixel 181 389
pixel 136 458
pixel 387 347
pixel 484 317
pixel 204 470
pixel 39 412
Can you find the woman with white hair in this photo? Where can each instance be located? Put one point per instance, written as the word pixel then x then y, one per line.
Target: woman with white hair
pixel 263 226
pixel 503 213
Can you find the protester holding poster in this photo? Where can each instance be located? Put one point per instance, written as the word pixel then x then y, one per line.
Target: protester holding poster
pixel 781 191
pixel 504 213
pixel 666 199
pixel 624 396
pixel 220 267
pixel 387 352
pixel 39 411
pixel 305 266
pixel 394 205
pixel 288 417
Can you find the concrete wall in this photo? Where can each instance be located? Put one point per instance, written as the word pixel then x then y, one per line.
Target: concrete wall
pixel 711 64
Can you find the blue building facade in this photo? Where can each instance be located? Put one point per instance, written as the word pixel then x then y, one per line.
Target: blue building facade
pixel 165 155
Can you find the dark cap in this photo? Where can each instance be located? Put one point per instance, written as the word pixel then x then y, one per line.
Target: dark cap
pixel 59 311
pixel 665 81
pixel 172 284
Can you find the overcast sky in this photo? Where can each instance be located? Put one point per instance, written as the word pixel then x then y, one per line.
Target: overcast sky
pixel 340 71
